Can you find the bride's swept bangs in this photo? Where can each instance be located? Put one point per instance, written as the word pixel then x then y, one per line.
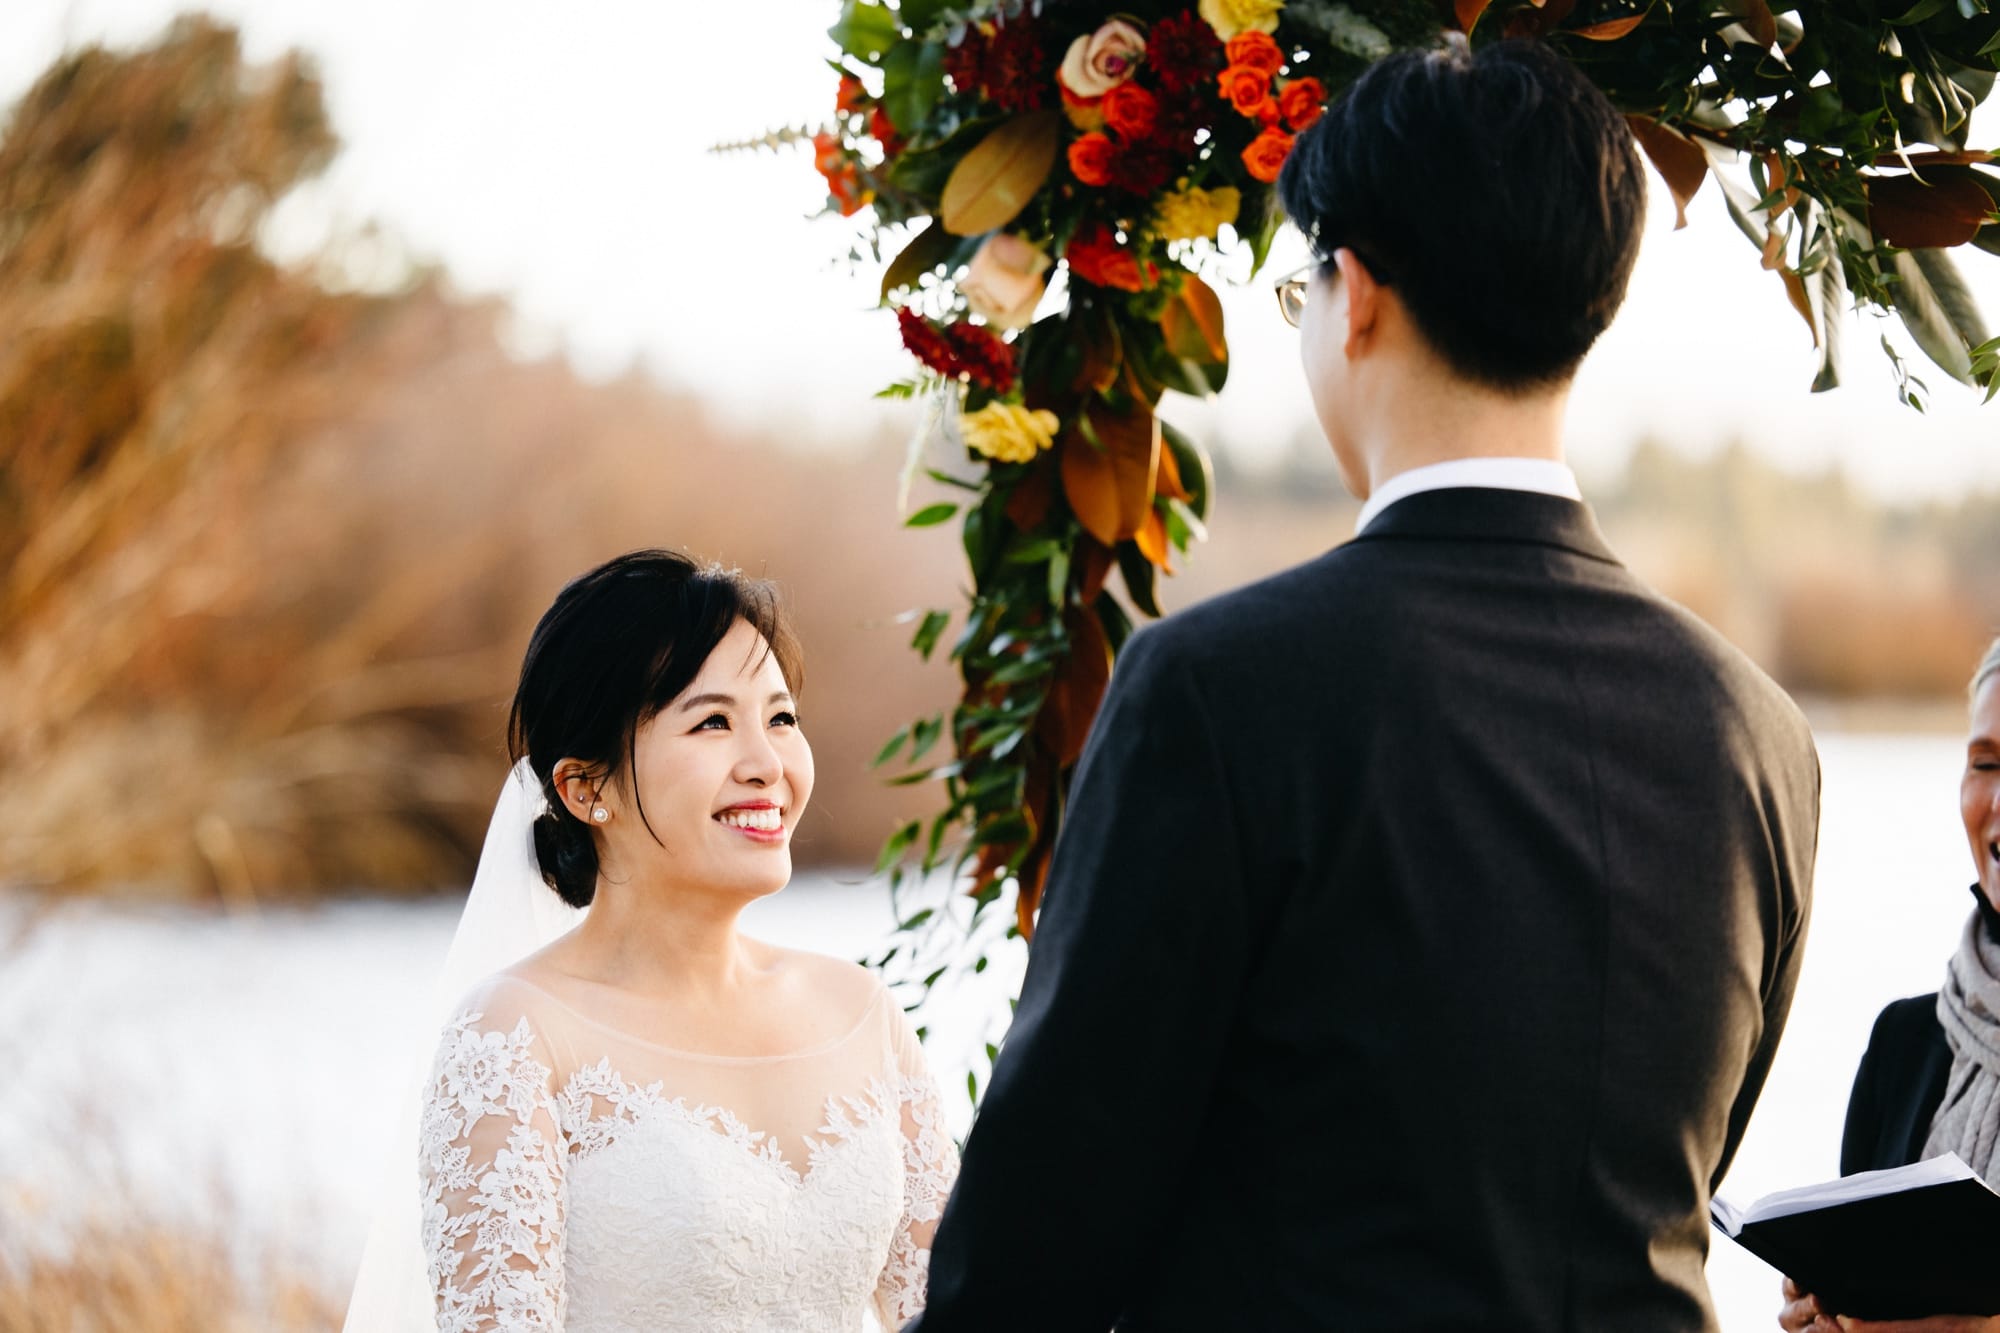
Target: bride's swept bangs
pixel 617 646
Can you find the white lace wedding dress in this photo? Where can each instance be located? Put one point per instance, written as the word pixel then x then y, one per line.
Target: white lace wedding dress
pixel 580 1179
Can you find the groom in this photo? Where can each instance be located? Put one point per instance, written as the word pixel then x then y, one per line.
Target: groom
pixel 1425 917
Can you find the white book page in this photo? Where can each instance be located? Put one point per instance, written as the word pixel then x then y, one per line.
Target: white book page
pixel 1862 1185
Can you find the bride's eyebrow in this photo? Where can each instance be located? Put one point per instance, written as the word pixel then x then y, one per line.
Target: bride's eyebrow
pixel 725 700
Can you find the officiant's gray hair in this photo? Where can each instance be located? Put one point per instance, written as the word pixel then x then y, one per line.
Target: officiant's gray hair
pixel 1989 667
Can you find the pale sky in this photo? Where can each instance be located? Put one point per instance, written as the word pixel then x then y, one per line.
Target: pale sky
pixel 555 155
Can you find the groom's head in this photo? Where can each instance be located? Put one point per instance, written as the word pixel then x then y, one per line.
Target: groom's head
pixel 1487 205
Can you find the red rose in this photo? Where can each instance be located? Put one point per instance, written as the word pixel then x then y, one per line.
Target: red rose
pixel 1091 158
pixel 1256 50
pixel 1265 157
pixel 1245 88
pixel 1131 110
pixel 1303 102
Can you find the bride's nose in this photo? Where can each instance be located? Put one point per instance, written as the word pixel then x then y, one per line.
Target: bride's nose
pixel 758 764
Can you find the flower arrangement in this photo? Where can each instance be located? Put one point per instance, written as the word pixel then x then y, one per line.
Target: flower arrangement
pixel 1055 181
pixel 1059 182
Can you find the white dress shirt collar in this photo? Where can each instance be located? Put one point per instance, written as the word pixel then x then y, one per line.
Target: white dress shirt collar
pixel 1505 474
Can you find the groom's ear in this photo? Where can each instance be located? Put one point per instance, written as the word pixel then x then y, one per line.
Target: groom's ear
pixel 1364 302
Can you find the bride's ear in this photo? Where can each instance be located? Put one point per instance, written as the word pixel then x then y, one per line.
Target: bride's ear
pixel 578 788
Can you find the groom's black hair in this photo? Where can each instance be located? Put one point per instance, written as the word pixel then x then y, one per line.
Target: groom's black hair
pixel 618 645
pixel 1497 192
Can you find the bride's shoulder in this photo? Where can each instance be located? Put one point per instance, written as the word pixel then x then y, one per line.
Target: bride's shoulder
pixel 835 984
pixel 503 1002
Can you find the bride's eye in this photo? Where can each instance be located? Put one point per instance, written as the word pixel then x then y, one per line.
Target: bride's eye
pixel 785 720
pixel 713 722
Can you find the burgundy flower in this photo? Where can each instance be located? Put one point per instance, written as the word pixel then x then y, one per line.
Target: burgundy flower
pixel 1184 52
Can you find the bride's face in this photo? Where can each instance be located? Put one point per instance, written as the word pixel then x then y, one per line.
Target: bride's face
pixel 1979 790
pixel 724 773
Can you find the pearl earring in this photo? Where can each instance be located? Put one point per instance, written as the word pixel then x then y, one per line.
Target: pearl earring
pixel 600 814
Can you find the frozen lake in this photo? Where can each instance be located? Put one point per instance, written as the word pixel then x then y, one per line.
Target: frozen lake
pixel 261 1056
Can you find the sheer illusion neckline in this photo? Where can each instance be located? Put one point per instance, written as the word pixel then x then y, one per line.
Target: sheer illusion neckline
pixel 819 1048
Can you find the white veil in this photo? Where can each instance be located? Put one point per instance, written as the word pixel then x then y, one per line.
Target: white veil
pixel 510 913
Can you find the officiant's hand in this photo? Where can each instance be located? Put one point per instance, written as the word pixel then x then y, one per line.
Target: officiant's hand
pixel 1937 1323
pixel 1801 1313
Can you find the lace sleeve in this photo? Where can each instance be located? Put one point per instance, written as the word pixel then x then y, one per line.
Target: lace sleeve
pixel 930 1165
pixel 492 1162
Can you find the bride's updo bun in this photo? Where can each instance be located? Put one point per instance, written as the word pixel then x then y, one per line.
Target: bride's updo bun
pixel 620 644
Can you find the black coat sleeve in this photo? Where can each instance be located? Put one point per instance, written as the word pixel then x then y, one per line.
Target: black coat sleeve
pixel 1101 1090
pixel 1861 1136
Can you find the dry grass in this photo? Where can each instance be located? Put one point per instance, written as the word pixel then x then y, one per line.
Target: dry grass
pixel 141 1278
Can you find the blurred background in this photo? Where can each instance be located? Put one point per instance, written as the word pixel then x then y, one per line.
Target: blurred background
pixel 333 339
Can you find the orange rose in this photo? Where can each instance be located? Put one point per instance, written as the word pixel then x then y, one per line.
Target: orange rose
pixel 847 191
pixel 1265 157
pixel 1245 88
pixel 1091 157
pixel 1095 257
pixel 1131 110
pixel 884 130
pixel 1255 49
pixel 828 153
pixel 1303 102
pixel 1268 113
pixel 851 95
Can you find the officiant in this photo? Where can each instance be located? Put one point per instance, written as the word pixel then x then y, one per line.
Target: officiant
pixel 1929 1083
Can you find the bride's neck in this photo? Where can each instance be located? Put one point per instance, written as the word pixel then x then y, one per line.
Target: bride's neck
pixel 660 940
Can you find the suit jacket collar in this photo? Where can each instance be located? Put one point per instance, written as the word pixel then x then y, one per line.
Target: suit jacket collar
pixel 1476 513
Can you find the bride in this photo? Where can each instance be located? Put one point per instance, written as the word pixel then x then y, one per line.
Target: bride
pixel 656 1121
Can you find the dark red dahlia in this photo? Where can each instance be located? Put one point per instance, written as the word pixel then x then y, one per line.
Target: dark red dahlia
pixel 1183 51
pixel 1143 167
pixel 926 344
pixel 965 64
pixel 982 355
pixel 1017 73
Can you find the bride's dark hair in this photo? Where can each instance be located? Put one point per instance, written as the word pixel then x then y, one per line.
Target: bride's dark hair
pixel 619 644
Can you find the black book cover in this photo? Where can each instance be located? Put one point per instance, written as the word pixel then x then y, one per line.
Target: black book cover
pixel 1906 1250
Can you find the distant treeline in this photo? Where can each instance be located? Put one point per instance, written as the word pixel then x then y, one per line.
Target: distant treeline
pixel 270 550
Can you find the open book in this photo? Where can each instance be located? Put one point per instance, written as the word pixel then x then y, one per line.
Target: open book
pixel 1898 1244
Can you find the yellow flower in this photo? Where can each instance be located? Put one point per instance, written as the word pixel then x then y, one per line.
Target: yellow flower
pixel 1229 17
pixel 1008 432
pixel 1193 214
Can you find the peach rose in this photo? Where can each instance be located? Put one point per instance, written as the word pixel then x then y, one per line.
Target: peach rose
pixel 1096 64
pixel 1003 285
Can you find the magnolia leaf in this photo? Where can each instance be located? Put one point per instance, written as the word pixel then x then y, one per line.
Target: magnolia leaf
pixel 926 250
pixel 1192 468
pixel 1612 30
pixel 1077 690
pixel 1467 13
pixel 1109 460
pixel 994 182
pixel 1681 163
pixel 865 30
pixel 912 82
pixel 1943 209
pixel 1934 305
pixel 1758 20
pixel 1192 323
pixel 1151 539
